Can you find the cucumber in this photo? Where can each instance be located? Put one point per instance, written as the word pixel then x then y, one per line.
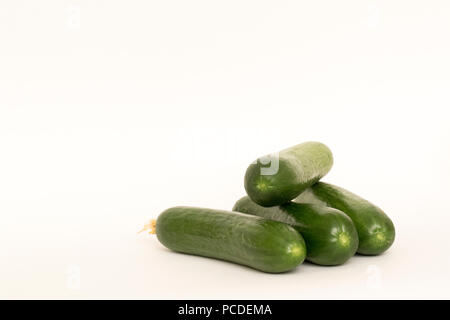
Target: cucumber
pixel 276 179
pixel 259 243
pixel 330 235
pixel 375 230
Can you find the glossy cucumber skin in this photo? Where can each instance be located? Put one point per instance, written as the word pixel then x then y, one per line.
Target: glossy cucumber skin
pixel 259 243
pixel 375 230
pixel 294 170
pixel 330 235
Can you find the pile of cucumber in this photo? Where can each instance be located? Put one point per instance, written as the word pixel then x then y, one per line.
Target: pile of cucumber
pixel 287 216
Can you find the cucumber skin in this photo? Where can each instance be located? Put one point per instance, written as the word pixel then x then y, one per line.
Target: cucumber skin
pixel 300 167
pixel 259 243
pixel 375 229
pixel 320 226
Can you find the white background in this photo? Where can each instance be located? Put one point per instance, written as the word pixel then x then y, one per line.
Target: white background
pixel 112 111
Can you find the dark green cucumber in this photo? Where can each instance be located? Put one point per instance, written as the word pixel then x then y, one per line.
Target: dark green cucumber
pixel 375 230
pixel 278 178
pixel 330 235
pixel 259 243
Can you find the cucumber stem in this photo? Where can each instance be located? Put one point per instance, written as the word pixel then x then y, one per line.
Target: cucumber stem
pixel 150 227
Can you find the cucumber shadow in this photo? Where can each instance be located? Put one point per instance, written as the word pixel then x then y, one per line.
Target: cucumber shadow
pixel 231 263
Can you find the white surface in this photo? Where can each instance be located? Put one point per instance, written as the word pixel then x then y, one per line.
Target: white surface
pixel 112 112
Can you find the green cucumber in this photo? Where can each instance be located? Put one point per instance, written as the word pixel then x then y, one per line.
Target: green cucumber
pixel 278 178
pixel 375 230
pixel 259 243
pixel 330 235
